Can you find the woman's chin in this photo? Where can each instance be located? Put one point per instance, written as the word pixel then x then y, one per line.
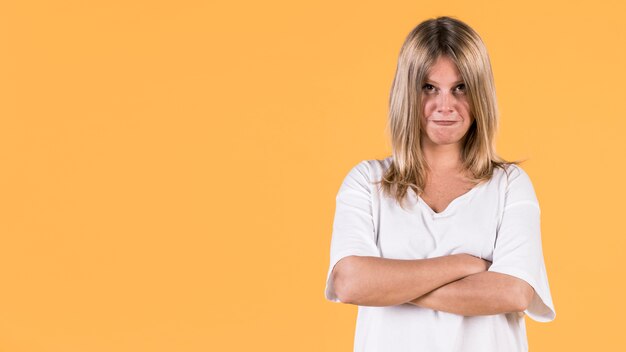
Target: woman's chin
pixel 444 141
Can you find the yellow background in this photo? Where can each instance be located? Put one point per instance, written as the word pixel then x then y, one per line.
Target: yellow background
pixel 168 170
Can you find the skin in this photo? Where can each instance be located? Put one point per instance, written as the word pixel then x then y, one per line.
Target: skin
pixel 445 98
pixel 457 284
pixel 374 281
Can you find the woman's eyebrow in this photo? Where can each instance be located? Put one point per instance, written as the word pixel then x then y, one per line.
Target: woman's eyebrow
pixel 428 80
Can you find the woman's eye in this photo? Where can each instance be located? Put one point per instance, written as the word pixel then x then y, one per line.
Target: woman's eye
pixel 461 87
pixel 428 87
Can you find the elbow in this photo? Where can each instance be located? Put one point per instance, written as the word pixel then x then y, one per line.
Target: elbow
pixel 344 280
pixel 523 296
pixel 342 289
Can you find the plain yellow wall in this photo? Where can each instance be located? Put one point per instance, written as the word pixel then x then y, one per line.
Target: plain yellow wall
pixel 168 170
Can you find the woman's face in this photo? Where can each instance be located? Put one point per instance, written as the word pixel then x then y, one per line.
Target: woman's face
pixel 446 116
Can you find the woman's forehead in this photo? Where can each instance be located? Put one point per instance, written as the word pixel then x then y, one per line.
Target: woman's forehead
pixel 444 71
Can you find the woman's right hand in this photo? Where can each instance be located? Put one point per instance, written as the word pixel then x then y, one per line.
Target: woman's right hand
pixel 474 264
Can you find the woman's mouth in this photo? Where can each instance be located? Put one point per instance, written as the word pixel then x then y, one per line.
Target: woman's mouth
pixel 445 123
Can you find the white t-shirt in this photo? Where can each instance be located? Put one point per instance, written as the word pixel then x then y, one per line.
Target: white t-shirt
pixel 498 220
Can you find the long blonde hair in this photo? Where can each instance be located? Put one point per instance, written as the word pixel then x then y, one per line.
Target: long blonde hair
pixel 422 47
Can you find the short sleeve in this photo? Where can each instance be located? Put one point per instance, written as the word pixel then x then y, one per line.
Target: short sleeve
pixel 353 225
pixel 518 249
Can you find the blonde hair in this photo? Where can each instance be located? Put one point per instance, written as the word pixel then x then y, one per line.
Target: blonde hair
pixel 422 47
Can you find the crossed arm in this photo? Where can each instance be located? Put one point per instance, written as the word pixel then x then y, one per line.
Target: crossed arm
pixel 458 283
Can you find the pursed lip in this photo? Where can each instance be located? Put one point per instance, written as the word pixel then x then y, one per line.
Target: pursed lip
pixel 444 122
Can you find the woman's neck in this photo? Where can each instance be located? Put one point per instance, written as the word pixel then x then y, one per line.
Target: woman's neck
pixel 443 158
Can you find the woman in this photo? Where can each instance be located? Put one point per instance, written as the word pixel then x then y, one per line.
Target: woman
pixel 439 244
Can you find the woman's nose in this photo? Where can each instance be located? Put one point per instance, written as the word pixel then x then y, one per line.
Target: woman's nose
pixel 445 102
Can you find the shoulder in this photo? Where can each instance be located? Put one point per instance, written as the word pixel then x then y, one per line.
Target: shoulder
pixel 370 169
pixel 518 185
pixel 513 171
pixel 365 175
pixel 515 175
pixel 377 167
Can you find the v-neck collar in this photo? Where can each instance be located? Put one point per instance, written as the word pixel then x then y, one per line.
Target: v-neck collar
pixel 449 210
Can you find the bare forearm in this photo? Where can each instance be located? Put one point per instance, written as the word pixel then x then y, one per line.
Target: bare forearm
pixel 373 281
pixel 483 293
